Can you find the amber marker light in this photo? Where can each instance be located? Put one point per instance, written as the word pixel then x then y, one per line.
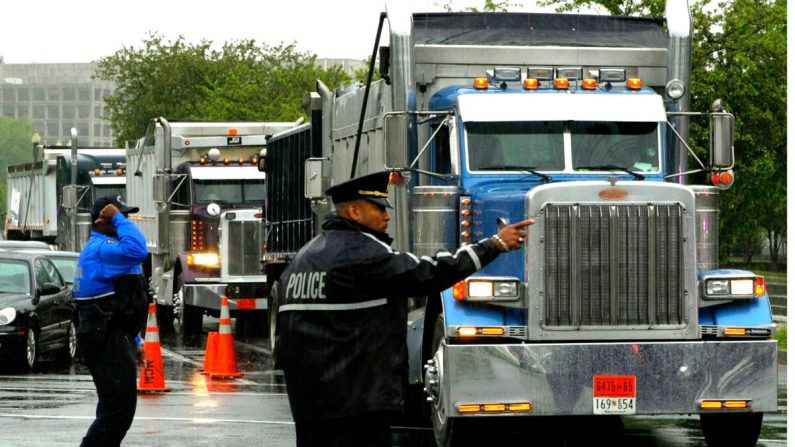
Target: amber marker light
pixel 494 408
pixel 459 290
pixel 726 177
pixel 734 332
pixel 759 286
pixel 711 405
pixel 530 84
pixel 561 83
pixel 468 408
pixel 240 161
pixel 97 171
pixel 520 407
pixel 589 84
pixel 736 404
pixel 634 83
pixel 226 161
pixel 492 331
pixel 481 83
pixel 232 132
pixel 202 160
pixel 119 171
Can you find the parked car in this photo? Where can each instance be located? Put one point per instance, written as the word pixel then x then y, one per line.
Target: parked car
pixel 37 310
pixel 23 245
pixel 65 262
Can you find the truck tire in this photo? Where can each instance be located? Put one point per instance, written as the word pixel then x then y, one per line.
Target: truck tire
pixel 444 427
pixel 273 316
pixel 252 323
pixel 165 318
pixel 188 319
pixel 735 429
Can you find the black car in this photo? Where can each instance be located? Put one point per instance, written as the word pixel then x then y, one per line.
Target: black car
pixel 37 310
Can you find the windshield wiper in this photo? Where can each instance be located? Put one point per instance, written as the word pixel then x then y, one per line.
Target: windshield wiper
pixel 528 169
pixel 612 168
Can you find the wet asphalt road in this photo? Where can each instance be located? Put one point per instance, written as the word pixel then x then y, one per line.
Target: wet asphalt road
pixel 54 405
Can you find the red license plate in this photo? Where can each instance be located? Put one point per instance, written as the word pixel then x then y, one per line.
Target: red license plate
pixel 613 386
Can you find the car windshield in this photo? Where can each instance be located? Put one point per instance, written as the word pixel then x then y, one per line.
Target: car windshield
pixel 66 267
pixel 230 191
pixel 543 145
pixel 14 277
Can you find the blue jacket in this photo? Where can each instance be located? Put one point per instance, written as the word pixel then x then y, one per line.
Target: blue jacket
pixel 104 258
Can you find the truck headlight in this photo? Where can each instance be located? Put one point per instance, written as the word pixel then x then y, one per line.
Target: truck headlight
pixel 734 287
pixel 204 260
pixel 487 289
pixel 7 315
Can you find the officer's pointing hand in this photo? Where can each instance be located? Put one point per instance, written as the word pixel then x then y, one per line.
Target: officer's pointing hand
pixel 511 237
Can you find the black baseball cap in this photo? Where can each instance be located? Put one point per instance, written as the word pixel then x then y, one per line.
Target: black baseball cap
pixel 372 187
pixel 117 201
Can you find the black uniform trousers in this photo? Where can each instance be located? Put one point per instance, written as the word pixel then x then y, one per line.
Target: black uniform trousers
pixel 110 355
pixel 360 430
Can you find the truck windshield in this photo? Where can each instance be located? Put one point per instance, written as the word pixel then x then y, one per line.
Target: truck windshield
pixel 629 145
pixel 542 145
pixel 530 144
pixel 108 190
pixel 229 191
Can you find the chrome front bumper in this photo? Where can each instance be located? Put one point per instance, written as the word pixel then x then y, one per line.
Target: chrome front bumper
pixel 672 377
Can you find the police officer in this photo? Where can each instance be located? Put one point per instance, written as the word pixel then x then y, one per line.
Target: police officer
pixel 342 306
pixel 109 290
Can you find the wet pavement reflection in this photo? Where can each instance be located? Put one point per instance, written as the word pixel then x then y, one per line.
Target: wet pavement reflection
pixel 54 405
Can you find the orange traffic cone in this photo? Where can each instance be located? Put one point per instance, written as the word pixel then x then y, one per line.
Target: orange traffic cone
pixel 225 362
pixel 210 352
pixel 152 379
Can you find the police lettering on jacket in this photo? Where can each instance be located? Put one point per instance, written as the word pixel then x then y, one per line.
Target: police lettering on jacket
pixel 306 285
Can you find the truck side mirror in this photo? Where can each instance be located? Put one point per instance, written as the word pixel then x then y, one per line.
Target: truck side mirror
pixel 396 141
pixel 262 161
pixel 160 191
pixel 721 138
pixel 70 197
pixel 314 181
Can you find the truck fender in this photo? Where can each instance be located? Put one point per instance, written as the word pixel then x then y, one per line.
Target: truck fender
pixel 420 335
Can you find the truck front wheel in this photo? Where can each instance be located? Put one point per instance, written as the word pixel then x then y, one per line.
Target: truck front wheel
pixel 444 429
pixel 188 318
pixel 735 429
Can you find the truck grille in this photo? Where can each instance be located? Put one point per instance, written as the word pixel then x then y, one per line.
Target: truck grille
pixel 244 247
pixel 613 265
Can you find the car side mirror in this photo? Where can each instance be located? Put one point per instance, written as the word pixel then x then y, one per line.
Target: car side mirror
pixel 49 289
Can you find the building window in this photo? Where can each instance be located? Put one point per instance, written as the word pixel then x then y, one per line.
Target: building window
pixel 84 94
pixel 69 94
pixel 8 110
pixel 68 113
pixel 53 112
pixel 84 111
pixel 23 94
pixel 38 94
pixel 38 112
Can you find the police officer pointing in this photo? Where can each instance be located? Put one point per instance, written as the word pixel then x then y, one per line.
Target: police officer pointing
pixel 110 294
pixel 342 315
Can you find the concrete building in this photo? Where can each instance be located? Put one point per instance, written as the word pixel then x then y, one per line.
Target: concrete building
pixel 55 98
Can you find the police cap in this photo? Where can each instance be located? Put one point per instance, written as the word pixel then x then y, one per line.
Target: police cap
pixel 371 187
pixel 118 201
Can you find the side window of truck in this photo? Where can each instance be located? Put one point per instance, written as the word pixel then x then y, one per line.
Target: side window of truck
pixel 441 150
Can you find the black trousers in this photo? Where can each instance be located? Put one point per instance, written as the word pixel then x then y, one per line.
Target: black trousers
pixel 361 430
pixel 111 361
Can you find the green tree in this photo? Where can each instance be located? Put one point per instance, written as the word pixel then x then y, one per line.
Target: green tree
pixel 15 148
pixel 181 80
pixel 488 6
pixel 739 55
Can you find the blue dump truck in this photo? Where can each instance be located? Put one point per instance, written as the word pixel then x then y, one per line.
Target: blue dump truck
pixel 617 304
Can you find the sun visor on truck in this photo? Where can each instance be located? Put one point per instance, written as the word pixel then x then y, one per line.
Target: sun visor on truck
pixel 533 29
pixel 226 173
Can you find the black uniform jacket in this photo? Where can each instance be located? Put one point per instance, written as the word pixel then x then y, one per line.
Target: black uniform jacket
pixel 342 317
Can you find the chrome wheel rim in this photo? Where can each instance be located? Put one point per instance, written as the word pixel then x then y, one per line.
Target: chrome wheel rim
pixel 72 341
pixel 30 347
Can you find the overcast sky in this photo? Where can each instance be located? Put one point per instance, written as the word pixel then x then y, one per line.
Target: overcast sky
pixel 52 31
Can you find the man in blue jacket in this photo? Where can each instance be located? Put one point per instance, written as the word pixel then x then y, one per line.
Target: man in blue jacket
pixel 110 291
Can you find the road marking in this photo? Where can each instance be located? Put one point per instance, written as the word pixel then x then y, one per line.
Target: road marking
pixel 147 418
